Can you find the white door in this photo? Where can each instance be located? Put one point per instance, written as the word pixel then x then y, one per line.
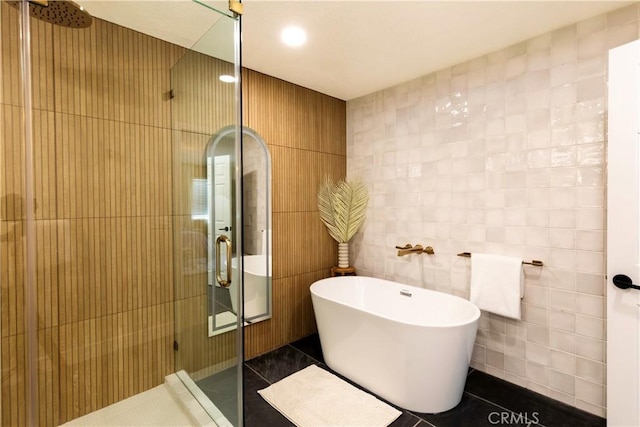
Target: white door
pixel 219 206
pixel 222 195
pixel 623 235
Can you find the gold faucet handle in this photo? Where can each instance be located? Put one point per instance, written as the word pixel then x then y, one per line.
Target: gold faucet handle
pixel 417 249
pixel 407 246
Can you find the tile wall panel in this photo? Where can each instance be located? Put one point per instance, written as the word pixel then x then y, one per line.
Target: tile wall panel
pixel 299 194
pixel 107 171
pixel 103 198
pixel 12 214
pixel 188 163
pixel 13 379
pixel 308 246
pixel 202 104
pixel 502 154
pixel 267 98
pixel 113 73
pixel 197 116
pixel 11 183
pixel 305 133
pixel 198 352
pixel 201 107
pixel 10 88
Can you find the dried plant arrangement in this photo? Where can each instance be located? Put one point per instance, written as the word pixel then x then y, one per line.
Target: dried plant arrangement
pixel 342 206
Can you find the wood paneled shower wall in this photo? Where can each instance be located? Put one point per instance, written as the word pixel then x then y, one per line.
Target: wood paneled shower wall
pixel 109 184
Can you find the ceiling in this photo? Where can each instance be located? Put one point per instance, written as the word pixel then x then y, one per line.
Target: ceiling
pixel 355 47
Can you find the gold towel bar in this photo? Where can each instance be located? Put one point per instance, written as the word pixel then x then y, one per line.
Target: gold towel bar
pixel 533 262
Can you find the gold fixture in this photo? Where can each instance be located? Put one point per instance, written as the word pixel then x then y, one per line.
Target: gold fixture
pixel 225 283
pixel 533 262
pixel 236 7
pixel 417 249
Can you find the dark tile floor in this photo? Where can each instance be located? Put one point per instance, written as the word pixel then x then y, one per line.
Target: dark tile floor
pixel 222 299
pixel 222 389
pixel 487 401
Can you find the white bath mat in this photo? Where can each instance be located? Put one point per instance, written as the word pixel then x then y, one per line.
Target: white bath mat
pixel 314 397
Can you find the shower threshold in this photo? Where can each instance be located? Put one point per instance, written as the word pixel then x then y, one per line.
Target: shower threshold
pixel 176 402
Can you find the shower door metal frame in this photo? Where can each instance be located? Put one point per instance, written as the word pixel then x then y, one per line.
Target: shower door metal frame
pixel 31 315
pixel 239 225
pixel 236 173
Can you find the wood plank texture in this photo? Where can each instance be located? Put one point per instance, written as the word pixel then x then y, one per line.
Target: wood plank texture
pixel 113 169
pixel 202 105
pixel 306 134
pixel 102 160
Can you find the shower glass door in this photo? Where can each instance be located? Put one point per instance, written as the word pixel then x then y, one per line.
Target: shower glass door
pixel 204 99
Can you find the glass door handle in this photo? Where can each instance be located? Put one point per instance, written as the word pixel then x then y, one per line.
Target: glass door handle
pixel 222 282
pixel 624 282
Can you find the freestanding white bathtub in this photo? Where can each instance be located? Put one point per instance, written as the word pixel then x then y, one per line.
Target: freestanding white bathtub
pixel 410 346
pixel 257 280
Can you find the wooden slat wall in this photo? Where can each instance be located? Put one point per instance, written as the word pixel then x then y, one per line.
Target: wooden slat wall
pixel 113 169
pixel 306 134
pixel 202 106
pixel 104 217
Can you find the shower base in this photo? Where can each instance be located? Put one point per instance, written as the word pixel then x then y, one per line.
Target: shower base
pixel 169 404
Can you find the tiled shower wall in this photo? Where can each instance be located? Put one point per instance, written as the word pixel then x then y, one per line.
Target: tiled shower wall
pixel 115 160
pixel 502 154
pixel 103 217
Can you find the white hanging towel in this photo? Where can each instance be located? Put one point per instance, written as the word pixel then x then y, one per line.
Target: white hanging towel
pixel 496 284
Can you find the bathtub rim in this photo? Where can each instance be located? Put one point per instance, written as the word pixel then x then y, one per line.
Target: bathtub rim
pixel 473 319
pixel 267 258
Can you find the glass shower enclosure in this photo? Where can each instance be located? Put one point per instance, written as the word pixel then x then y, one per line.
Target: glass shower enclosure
pixel 207 225
pixel 104 249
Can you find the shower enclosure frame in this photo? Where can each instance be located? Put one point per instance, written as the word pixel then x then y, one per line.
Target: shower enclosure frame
pixel 30 259
pixel 28 266
pixel 236 8
pixel 202 104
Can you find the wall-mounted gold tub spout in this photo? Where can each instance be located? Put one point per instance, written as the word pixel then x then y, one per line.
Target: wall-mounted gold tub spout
pixel 417 249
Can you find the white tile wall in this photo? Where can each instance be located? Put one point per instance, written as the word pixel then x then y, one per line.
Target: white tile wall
pixel 502 154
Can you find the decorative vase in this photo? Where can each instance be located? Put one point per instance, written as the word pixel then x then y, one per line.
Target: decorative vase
pixel 343 255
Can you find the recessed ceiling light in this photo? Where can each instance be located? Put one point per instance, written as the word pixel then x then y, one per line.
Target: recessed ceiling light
pixel 293 36
pixel 227 78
